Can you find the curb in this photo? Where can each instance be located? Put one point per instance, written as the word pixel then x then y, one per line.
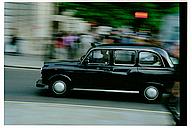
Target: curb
pixel 172 107
pixel 22 54
pixel 18 66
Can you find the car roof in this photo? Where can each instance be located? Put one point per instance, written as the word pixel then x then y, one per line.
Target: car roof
pixel 134 46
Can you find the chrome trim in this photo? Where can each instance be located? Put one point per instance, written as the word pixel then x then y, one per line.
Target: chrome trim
pixel 131 65
pixel 59 87
pixel 151 93
pixel 99 63
pixel 103 90
pixel 67 77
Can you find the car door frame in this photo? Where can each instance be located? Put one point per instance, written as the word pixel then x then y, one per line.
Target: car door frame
pixel 124 73
pixel 153 74
pixel 97 71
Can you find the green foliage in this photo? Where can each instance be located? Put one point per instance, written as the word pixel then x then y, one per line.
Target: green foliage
pixel 121 13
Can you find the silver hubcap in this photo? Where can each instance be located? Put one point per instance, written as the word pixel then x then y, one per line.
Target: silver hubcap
pixel 59 87
pixel 151 93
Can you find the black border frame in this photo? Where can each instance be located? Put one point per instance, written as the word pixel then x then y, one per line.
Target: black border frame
pixel 183 64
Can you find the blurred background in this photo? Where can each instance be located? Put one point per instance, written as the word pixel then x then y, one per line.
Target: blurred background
pixel 35 32
pixel 66 30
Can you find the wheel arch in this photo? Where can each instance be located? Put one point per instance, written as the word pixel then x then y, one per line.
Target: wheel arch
pixel 160 85
pixel 64 77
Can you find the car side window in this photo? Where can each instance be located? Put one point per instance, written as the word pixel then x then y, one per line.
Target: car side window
pixel 124 57
pixel 149 59
pixel 100 56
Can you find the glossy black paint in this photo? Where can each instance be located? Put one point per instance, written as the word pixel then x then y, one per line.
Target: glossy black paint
pixel 111 76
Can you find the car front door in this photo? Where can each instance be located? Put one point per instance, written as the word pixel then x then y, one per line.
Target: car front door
pixel 95 69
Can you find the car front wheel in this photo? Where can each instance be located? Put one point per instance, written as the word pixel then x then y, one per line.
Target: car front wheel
pixel 59 88
pixel 151 94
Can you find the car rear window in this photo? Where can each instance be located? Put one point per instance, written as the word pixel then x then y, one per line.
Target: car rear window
pixel 149 59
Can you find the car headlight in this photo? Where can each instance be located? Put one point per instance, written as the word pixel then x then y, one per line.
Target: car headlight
pixel 41 70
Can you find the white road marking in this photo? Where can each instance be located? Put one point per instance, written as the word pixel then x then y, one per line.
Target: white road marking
pixel 87 106
pixel 23 68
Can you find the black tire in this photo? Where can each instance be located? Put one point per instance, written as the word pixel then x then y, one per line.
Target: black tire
pixel 59 87
pixel 151 94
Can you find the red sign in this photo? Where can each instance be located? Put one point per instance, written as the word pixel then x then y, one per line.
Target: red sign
pixel 141 15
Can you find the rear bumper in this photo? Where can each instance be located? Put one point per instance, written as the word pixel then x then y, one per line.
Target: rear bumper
pixel 39 83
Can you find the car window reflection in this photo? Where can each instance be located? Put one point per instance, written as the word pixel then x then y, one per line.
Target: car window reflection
pixel 99 57
pixel 149 59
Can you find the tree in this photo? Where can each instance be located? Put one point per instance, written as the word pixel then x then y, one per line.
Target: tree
pixel 117 14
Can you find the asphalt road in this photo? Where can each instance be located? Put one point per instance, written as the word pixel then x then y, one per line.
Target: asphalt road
pixel 26 104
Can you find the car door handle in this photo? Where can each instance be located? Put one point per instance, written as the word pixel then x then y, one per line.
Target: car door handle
pixel 106 69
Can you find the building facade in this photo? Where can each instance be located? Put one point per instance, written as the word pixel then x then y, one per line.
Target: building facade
pixel 33 23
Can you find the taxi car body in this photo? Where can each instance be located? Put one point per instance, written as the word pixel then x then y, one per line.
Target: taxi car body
pixel 146 70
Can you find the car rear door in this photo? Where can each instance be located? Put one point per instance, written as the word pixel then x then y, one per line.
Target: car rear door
pixel 124 70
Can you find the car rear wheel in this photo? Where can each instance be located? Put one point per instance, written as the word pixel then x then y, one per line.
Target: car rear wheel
pixel 152 94
pixel 59 88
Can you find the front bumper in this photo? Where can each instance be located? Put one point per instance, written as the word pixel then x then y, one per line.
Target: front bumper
pixel 39 83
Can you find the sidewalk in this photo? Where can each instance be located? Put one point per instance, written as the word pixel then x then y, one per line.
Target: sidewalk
pixel 28 61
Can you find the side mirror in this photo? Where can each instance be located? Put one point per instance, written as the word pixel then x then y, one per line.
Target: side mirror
pixel 82 57
pixel 85 62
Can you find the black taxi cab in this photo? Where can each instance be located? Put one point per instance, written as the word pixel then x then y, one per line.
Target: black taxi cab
pixel 146 70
